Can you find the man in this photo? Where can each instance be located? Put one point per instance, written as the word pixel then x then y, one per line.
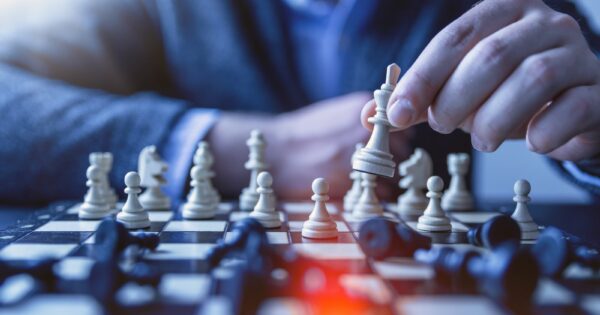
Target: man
pixel 83 76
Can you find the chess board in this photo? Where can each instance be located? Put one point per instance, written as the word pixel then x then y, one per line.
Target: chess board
pixel 401 285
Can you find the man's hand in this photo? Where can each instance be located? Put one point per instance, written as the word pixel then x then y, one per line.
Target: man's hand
pixel 506 69
pixel 315 141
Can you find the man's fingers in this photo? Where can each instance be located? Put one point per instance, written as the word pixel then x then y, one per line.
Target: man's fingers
pixel 578 148
pixel 487 65
pixel 367 111
pixel 571 114
pixel 422 82
pixel 534 83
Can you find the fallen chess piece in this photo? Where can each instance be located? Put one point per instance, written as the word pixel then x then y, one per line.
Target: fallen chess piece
pixel 380 238
pixel 112 238
pixel 507 274
pixel 494 232
pixel 555 250
pixel 41 270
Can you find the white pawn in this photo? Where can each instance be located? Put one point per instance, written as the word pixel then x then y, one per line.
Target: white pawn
pixel 352 196
pixel 256 163
pixel 200 203
pixel 458 197
pixel 368 205
pixel 94 204
pixel 133 215
pixel 434 218
pixel 319 224
pixel 529 229
pixel 264 211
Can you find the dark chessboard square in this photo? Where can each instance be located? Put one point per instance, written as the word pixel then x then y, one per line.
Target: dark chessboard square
pixel 179 265
pixel 190 237
pixel 298 216
pixel 343 237
pixel 55 237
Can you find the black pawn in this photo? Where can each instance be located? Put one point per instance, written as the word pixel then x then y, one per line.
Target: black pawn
pixel 494 232
pixel 106 278
pixel 451 267
pixel 243 233
pixel 112 238
pixel 380 238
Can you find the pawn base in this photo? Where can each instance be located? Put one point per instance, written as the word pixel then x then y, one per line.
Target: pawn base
pixel 134 221
pixel 319 230
pixel 248 200
pixel 198 211
pixel 434 224
pixel 268 220
pixel 529 230
pixel 89 211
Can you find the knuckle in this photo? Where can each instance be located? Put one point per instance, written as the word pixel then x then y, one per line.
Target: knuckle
pixel 424 80
pixel 583 107
pixel 564 21
pixel 493 50
pixel 539 71
pixel 457 34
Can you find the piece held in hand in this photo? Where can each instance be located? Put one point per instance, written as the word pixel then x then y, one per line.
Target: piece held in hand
pixel 264 211
pixel 529 229
pixel 368 205
pixel 381 238
pixel 112 238
pixel 415 171
pixel 152 168
pixel 320 225
pixel 494 232
pixel 352 196
pixel 256 163
pixel 375 157
pixel 133 215
pixel 458 197
pixel 434 218
pixel 200 202
pixel 95 205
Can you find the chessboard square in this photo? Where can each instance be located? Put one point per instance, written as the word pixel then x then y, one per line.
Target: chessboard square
pixel 272 237
pixel 457 227
pixel 447 305
pixel 351 219
pixel 69 226
pixel 591 303
pixel 343 237
pixel 474 217
pixel 330 251
pixel 184 288
pixel 306 207
pixel 403 269
pixel 160 216
pixel 296 226
pixel 55 237
pixel 36 251
pixel 240 215
pixel 368 286
pixel 196 226
pixel 170 251
pixel 190 237
pixel 549 292
pixel 79 304
pixel 74 268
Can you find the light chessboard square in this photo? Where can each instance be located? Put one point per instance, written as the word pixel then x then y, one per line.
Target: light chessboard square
pixel 240 215
pixel 195 226
pixel 70 226
pixel 74 268
pixel 169 251
pixel 306 207
pixel 549 292
pixel 79 304
pixel 273 237
pixel 160 216
pixel 474 217
pixel 447 305
pixel 349 218
pixel 403 269
pixel 369 286
pixel 296 226
pixel 187 288
pixel 327 251
pixel 36 251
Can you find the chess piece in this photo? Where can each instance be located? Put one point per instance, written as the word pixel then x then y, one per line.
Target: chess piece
pixel 41 270
pixel 351 197
pixel 415 171
pixel 112 238
pixel 106 278
pixel 368 205
pixel 375 157
pixel 458 197
pixel 104 161
pixel 256 163
pixel 200 202
pixel 319 224
pixel 264 211
pixel 494 232
pixel 94 204
pixel 381 238
pixel 152 168
pixel 133 215
pixel 434 218
pixel 529 229
pixel 204 150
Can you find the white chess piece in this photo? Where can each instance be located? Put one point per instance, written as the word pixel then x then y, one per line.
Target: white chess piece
pixel 133 215
pixel 200 203
pixel 458 197
pixel 319 224
pixel 204 150
pixel 415 171
pixel 352 196
pixel 434 218
pixel 375 157
pixel 256 163
pixel 529 229
pixel 104 161
pixel 152 168
pixel 368 205
pixel 264 211
pixel 94 205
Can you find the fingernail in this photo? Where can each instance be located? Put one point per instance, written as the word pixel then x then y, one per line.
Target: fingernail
pixel 479 145
pixel 401 113
pixel 437 127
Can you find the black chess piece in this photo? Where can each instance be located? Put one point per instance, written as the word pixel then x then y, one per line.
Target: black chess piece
pixel 380 238
pixel 494 232
pixel 248 238
pixel 41 270
pixel 556 249
pixel 106 278
pixel 112 238
pixel 507 274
